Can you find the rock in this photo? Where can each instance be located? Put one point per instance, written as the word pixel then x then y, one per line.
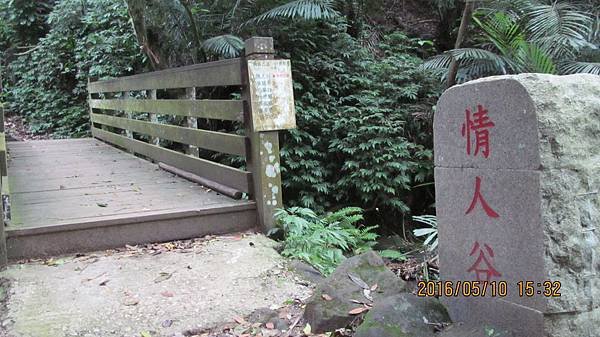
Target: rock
pixel 306 271
pixel 266 315
pixel 330 312
pixel 541 179
pixel 403 315
pixel 462 330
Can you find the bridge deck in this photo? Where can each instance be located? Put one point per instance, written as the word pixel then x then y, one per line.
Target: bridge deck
pixel 82 194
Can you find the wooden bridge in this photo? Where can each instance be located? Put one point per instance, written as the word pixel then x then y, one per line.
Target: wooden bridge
pixel 142 180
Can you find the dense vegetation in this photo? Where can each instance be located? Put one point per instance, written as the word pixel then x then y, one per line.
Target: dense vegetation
pixel 365 95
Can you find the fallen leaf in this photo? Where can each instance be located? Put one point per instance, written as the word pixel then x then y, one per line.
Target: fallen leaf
pixel 239 320
pixel 130 301
pixel 167 293
pixel 358 281
pixel 327 297
pixel 367 294
pixel 307 330
pixel 54 263
pixel 145 334
pixel 358 311
pixel 270 325
pixel 163 276
pixel 374 287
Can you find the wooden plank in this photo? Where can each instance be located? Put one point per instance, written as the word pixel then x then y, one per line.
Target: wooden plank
pixel 231 110
pixel 211 140
pixel 214 171
pixel 192 122
pixel 1 117
pixel 219 73
pixel 153 117
pixel 226 190
pixel 3 165
pixel 3 253
pixel 128 113
pixel 134 228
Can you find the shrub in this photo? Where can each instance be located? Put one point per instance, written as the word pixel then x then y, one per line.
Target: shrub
pixel 86 39
pixel 361 137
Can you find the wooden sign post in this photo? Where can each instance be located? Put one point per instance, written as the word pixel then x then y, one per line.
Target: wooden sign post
pixel 268 107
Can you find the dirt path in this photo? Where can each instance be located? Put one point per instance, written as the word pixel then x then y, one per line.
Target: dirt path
pixel 163 290
pixel 16 130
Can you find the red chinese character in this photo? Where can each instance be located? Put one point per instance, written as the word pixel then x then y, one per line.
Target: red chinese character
pixel 479 125
pixel 478 196
pixel 487 269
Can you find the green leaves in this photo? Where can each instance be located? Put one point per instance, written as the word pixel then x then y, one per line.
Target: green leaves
pixel 301 9
pixel 524 36
pixel 358 141
pixel 323 241
pixel 430 233
pixel 86 39
pixel 226 45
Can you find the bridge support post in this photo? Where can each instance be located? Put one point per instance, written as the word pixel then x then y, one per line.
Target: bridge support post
pixel 3 181
pixel 262 156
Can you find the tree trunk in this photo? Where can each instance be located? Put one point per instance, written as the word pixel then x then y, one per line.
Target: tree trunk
pixel 462 31
pixel 197 41
pixel 136 9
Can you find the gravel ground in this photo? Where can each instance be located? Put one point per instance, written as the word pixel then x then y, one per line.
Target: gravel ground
pixel 157 290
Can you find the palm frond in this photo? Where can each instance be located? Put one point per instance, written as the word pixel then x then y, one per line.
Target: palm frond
pixel 558 18
pixel 226 45
pixel 502 31
pixel 473 63
pixel 302 9
pixel 576 67
pixel 534 59
pixel 558 27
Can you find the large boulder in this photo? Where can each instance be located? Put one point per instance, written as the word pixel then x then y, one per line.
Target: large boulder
pixel 462 330
pixel 328 309
pixel 404 315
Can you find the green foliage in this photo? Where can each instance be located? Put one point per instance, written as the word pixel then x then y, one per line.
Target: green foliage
pixel 430 233
pixel 364 131
pixel 26 18
pixel 86 40
pixel 225 45
pixel 525 36
pixel 392 254
pixel 324 241
pixel 303 9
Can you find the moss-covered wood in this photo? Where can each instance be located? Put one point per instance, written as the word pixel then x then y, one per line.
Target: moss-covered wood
pixel 212 109
pixel 263 159
pixel 3 189
pixel 211 140
pixel 220 173
pixel 219 73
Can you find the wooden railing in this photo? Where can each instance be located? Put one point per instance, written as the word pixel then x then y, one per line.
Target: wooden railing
pixel 261 181
pixel 4 191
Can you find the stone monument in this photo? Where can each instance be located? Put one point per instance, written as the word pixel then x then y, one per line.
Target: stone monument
pixel 517 178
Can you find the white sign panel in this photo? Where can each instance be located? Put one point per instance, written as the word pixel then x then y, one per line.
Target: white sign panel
pixel 272 95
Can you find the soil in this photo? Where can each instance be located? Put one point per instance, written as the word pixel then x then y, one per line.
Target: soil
pixel 17 130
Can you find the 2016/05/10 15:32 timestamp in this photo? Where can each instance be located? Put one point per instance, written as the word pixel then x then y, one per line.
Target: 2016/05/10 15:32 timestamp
pixel 486 288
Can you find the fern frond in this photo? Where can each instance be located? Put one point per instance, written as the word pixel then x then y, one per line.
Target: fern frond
pixel 300 9
pixel 227 45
